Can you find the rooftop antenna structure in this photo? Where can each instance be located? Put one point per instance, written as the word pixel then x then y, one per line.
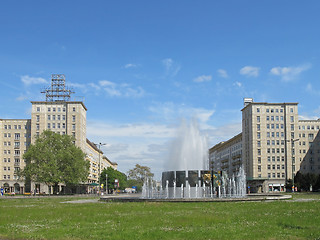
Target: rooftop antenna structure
pixel 58 91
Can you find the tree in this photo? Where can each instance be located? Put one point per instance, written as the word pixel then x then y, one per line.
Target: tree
pixel 54 159
pixel 137 175
pixel 112 175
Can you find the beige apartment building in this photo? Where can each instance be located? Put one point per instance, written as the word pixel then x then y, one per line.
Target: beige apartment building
pixel 227 156
pixel 275 146
pixel 57 114
pixel 15 137
pixel 98 162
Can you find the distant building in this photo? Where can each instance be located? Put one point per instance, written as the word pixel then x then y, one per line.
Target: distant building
pixel 57 114
pixel 275 146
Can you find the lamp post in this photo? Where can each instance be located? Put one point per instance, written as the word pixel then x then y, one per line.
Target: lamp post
pixel 99 144
pixel 106 183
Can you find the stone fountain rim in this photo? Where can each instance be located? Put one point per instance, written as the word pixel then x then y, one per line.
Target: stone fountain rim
pixel 247 198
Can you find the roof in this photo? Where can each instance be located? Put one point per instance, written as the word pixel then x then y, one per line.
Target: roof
pixel 91 144
pixel 225 142
pixel 59 102
pixel 266 103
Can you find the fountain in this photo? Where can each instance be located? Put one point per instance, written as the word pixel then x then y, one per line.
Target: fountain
pixel 187 179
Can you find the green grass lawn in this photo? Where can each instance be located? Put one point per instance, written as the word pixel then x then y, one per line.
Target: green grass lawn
pixel 49 218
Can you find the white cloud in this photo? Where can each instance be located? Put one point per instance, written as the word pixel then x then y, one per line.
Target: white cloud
pixel 27 80
pixel 238 84
pixel 222 73
pixel 120 90
pixel 171 67
pixel 311 90
pixel 170 112
pixel 250 71
pixel 167 63
pixel 288 74
pixel 203 78
pixel 104 83
pixel 130 65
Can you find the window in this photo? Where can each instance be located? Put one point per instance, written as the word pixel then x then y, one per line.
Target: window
pixel 64 109
pixel 259 168
pixel 5 127
pixel 53 125
pixel 259 151
pixel 37 126
pixel 58 116
pixel 9 126
pixel 58 125
pixel 292 127
pixel 277 118
pixel 74 119
pixel 49 117
pixel 73 127
pixel 49 109
pixel 291 118
pixel 73 109
pixel 48 125
pixel 267 118
pixel 63 117
pixel 258 134
pixel 269 167
pixel 258 109
pixel 53 117
pixel 259 159
pixel 291 110
pixel 59 109
pixel 258 125
pixel 38 118
pixel 272 118
pixel 53 109
pixel 267 110
pixel 258 143
pixel 269 159
pixel 310 136
pixel 38 109
pixel 63 125
pixel 269 175
pixel 258 118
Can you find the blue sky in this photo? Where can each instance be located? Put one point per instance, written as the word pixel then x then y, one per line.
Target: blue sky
pixel 141 66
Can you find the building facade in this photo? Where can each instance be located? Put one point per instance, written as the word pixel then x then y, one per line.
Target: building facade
pixel 57 114
pixel 275 146
pixel 227 156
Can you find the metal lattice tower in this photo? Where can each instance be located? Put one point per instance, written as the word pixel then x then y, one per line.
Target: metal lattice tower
pixel 58 90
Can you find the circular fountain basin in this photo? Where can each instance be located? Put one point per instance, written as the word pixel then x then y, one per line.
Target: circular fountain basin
pixel 249 197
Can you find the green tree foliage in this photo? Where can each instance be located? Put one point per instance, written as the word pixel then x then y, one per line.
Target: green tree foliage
pixel 112 176
pixel 137 175
pixel 304 181
pixel 54 159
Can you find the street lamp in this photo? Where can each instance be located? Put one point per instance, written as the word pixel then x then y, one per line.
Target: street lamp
pixel 106 183
pixel 99 144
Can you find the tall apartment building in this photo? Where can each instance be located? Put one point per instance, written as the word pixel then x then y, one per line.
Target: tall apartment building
pixel 275 145
pixel 269 132
pixel 308 154
pixel 57 114
pixel 15 137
